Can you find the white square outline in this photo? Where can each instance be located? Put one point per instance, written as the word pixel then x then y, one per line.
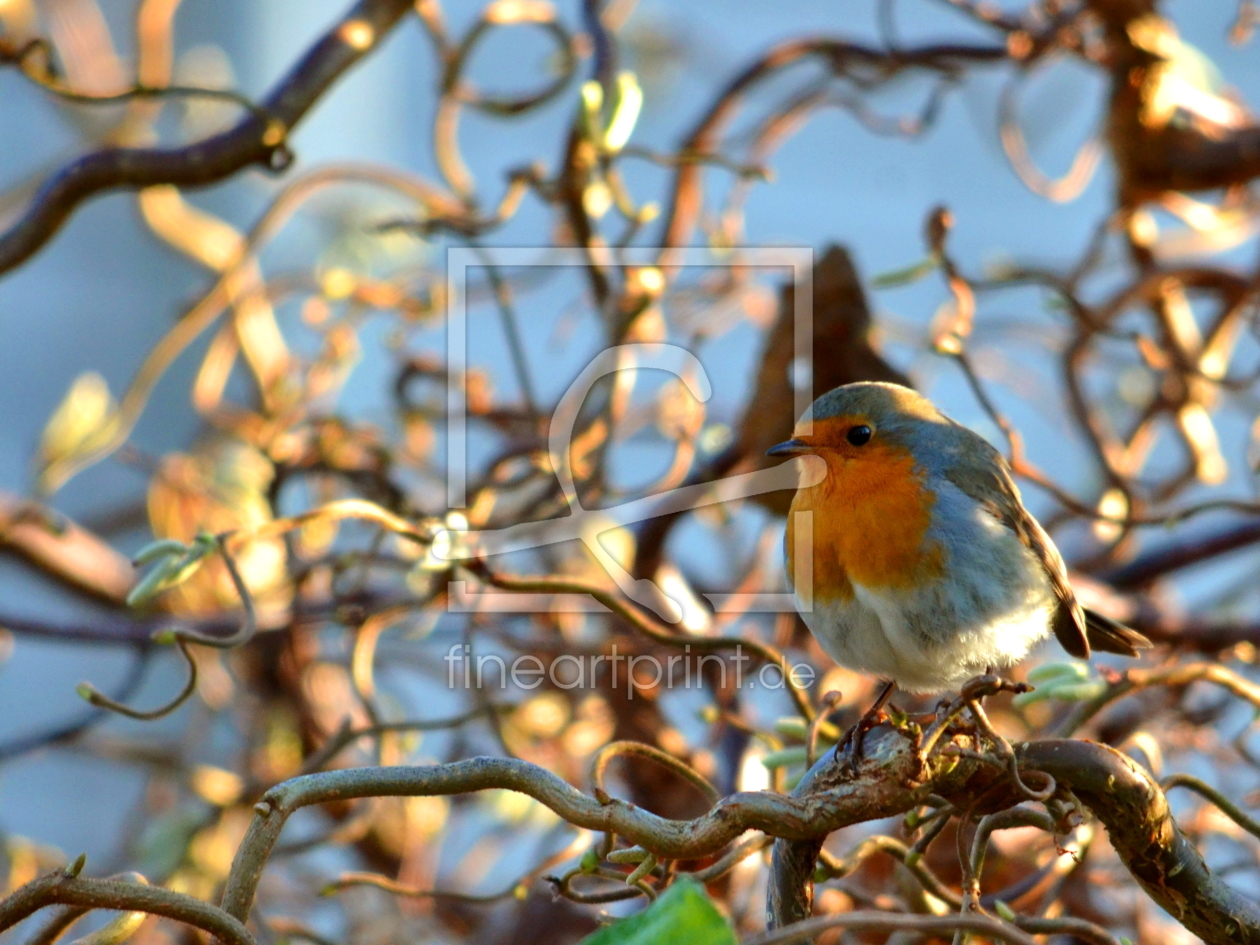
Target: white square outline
pixel 459 259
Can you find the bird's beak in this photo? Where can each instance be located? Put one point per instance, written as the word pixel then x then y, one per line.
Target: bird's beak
pixel 790 448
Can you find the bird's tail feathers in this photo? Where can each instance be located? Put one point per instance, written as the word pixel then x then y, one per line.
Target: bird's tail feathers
pixel 1108 636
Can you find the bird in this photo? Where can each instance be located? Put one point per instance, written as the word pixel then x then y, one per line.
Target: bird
pixel 927 569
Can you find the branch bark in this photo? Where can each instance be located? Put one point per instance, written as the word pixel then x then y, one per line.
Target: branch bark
pixel 1122 795
pixel 258 138
pixel 62 888
pixel 1151 159
pixel 884 787
pixel 64 551
pixel 890 780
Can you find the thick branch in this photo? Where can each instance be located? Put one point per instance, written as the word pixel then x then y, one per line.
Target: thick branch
pixel 885 786
pixel 1121 795
pixel 1146 838
pixel 62 889
pixel 258 138
pixel 64 551
pixel 1185 159
pixel 1160 562
pixel 890 780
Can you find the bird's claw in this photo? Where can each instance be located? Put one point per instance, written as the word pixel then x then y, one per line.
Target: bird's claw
pixel 851 746
pixel 855 736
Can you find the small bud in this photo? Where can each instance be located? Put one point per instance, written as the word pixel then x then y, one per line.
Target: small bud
pixel 940 222
pixel 640 871
pixel 75 868
pixel 625 112
pixel 627 855
pixel 589 862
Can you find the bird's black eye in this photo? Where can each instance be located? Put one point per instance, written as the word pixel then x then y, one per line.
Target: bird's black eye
pixel 859 435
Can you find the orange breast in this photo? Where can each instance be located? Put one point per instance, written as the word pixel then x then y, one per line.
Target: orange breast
pixel 870 516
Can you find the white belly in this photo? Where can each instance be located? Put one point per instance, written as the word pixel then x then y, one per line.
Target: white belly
pixel 993 606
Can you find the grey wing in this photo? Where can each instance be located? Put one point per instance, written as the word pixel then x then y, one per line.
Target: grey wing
pixel 984 476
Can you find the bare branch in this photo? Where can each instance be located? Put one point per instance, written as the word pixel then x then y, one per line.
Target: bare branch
pixel 253 140
pixel 60 888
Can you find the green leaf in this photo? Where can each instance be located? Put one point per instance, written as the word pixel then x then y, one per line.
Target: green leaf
pixel 1064 686
pixel 1080 692
pixel 683 913
pixel 163 844
pixel 785 757
pixel 1049 671
pixel 83 422
pixel 171 570
pixel 792 726
pixel 162 548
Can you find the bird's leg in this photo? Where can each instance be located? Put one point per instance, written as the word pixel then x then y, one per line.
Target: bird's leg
pixel 853 738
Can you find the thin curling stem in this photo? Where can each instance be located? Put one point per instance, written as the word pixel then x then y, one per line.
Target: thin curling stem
pixel 1067 925
pixel 249 625
pixel 599 767
pixel 49 82
pixel 181 638
pixel 1227 807
pixel 58 925
pixel 1004 820
pixel 517 889
pixel 839 867
pixel 395 888
pixel 102 701
pixel 933 829
pixel 730 860
pixel 874 920
pixel 332 512
pixel 1008 755
pixel 1178 675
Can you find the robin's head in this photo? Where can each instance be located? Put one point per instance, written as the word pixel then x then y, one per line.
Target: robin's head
pixel 861 420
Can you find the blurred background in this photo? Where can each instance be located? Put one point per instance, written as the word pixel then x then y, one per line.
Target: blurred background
pixel 865 171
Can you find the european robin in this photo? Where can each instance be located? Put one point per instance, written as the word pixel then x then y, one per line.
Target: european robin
pixel 927 568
